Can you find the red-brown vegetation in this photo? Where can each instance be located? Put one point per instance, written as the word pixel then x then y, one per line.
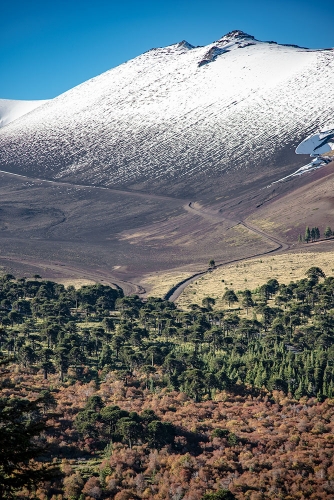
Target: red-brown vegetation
pixel 268 447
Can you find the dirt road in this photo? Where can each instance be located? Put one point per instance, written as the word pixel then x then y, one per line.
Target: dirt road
pixel 97 274
pixel 176 290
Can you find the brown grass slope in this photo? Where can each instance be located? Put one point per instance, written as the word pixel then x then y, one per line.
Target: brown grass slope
pixel 308 202
pixel 67 231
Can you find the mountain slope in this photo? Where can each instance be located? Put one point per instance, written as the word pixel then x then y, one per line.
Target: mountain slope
pixel 182 119
pixel 11 110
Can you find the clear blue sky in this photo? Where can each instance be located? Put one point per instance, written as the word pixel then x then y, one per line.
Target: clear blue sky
pixel 49 46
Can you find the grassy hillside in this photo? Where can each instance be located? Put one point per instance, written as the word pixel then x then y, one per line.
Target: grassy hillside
pixel 253 273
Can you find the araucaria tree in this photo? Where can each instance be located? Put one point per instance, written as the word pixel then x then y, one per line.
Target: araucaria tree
pixel 328 232
pixel 230 297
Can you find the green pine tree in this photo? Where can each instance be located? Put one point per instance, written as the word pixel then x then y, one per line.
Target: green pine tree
pixel 328 232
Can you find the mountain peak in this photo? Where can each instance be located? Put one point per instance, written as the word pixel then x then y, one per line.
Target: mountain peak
pixel 236 35
pixel 185 44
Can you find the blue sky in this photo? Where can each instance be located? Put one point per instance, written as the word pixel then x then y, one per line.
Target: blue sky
pixel 48 47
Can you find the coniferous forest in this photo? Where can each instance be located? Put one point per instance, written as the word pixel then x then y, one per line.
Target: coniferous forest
pixel 113 397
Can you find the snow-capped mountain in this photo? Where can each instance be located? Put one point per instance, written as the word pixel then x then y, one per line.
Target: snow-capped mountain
pixel 11 110
pixel 180 115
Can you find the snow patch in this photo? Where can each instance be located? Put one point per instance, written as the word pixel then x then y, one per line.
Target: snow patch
pixel 316 145
pixel 309 167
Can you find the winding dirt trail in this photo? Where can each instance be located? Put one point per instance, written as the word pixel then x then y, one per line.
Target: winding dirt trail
pixel 191 207
pixel 127 192
pixel 76 273
pixel 176 290
pixel 281 245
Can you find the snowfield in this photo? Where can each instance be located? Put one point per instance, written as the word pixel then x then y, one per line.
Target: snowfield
pixel 317 146
pixel 11 110
pixel 179 113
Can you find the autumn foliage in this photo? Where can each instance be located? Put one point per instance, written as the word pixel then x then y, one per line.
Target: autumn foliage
pixel 149 402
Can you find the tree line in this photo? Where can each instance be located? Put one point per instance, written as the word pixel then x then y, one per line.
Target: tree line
pixel 281 336
pixel 313 234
